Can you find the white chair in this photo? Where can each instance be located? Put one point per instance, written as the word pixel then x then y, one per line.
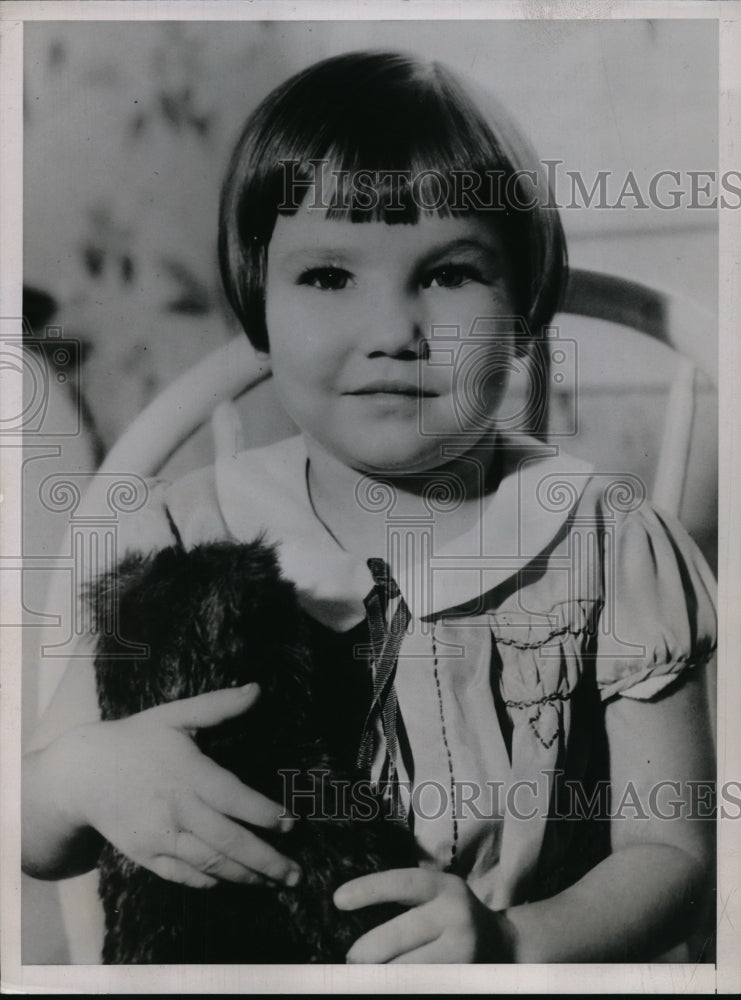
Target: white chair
pixel 233 369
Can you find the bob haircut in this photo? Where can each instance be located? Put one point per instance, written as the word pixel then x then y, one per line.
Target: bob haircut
pixel 382 136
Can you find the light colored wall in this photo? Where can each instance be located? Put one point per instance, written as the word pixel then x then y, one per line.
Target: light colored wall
pixel 129 129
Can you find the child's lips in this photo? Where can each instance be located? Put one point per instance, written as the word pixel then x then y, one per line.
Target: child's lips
pixel 392 387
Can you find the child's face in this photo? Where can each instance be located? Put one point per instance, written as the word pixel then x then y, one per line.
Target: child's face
pixel 349 308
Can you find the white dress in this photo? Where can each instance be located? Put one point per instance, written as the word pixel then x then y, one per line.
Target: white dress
pixel 569 591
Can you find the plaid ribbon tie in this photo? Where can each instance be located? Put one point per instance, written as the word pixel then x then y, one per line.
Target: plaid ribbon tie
pixel 386 638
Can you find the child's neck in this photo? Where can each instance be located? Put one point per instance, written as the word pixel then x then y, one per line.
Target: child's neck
pixel 354 506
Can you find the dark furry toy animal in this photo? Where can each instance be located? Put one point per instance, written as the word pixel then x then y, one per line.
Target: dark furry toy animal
pixel 216 616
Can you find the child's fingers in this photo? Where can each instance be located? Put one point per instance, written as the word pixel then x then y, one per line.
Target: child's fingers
pixel 208 709
pixel 404 934
pixel 212 863
pixel 225 793
pixel 241 846
pixel 408 886
pixel 426 955
pixel 175 870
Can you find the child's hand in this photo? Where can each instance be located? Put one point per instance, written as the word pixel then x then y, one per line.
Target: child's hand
pixel 447 923
pixel 144 785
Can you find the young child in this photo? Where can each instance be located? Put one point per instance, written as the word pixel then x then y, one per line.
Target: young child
pixel 389 244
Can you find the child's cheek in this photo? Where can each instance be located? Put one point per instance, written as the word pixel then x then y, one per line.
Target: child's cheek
pixel 303 322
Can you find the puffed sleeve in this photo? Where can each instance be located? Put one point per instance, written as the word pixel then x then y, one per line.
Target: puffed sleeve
pixel 147 527
pixel 659 612
pixel 150 515
pixel 186 510
pixel 119 517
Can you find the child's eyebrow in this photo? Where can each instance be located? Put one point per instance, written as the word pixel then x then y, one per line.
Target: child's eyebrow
pixel 338 254
pixel 462 243
pixel 300 255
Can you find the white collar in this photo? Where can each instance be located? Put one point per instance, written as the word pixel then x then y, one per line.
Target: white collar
pixel 264 491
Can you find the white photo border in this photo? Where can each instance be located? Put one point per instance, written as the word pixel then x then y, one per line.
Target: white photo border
pixel 725 975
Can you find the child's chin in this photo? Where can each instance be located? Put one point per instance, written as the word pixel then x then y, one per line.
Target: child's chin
pixel 397 457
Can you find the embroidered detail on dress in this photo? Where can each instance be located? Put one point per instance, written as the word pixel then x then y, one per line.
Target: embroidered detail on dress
pixel 533 721
pixel 545 700
pixel 577 617
pixel 454 845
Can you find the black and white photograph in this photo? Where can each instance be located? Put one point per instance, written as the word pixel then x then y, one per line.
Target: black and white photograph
pixel 369 561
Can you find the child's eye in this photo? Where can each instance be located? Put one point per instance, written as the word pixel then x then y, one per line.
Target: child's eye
pixel 328 279
pixel 452 276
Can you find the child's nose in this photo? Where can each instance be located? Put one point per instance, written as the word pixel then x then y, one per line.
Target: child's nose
pixel 396 327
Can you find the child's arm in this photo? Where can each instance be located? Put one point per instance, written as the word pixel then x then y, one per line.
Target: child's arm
pixel 637 903
pixel 142 784
pixel 52 846
pixel 644 898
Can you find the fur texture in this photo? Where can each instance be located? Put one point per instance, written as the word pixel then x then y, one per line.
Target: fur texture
pixel 217 616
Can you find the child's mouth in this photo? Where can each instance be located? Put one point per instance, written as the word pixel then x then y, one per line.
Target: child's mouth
pixel 392 387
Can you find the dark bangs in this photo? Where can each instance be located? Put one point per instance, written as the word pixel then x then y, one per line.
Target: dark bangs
pixel 382 137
